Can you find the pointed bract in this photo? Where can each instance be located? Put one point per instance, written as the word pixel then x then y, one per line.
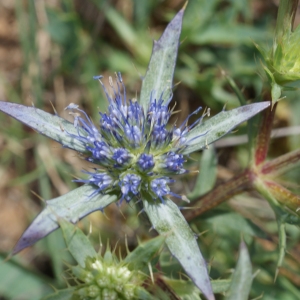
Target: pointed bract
pixel 224 122
pixel 46 124
pixel 167 220
pixel 242 276
pixel 72 206
pixel 159 76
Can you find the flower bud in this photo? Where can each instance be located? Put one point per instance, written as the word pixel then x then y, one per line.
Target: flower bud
pixel 283 59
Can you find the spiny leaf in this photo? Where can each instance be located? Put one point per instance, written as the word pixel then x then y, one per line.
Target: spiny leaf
pixel 167 219
pixel 72 206
pixel 66 294
pixel 49 125
pixel 141 256
pixel 159 76
pixel 242 277
pixel 77 242
pixel 215 127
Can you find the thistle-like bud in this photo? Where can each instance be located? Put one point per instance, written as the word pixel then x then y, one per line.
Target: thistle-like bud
pixel 107 278
pixel 282 61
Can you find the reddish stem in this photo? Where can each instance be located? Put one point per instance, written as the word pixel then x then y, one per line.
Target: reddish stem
pixel 281 164
pixel 221 193
pixel 284 196
pixel 264 134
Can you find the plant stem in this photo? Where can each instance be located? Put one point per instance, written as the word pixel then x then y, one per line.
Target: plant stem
pixel 221 193
pixel 282 164
pixel 264 135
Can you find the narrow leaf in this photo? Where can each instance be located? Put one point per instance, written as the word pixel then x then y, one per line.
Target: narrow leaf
pixel 235 88
pixel 77 242
pixel 126 32
pixel 167 220
pixel 49 125
pixel 18 283
pixel 282 243
pixel 214 128
pixel 220 286
pixel 184 289
pixel 187 290
pixel 242 277
pixel 207 173
pixel 141 293
pixel 66 294
pixel 159 76
pixel 142 255
pixel 72 206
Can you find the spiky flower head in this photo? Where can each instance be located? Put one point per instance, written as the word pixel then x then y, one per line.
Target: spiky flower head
pixel 283 59
pixel 107 278
pixel 135 151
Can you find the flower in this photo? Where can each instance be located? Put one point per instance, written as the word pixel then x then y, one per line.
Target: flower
pixel 135 151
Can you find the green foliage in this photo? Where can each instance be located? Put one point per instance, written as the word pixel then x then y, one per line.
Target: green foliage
pixel 242 277
pixel 30 285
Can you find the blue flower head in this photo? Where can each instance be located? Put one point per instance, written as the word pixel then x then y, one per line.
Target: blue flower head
pixel 135 150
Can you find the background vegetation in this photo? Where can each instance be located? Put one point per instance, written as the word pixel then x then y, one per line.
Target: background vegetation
pixel 49 51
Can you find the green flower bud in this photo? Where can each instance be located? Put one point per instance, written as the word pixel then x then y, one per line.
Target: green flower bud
pixel 282 61
pixel 107 278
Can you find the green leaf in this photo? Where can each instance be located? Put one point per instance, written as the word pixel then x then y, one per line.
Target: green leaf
pixel 77 242
pixel 221 285
pixel 159 76
pixel 228 34
pixel 44 123
pixel 18 283
pixel 276 91
pixel 66 294
pixel 127 33
pixel 214 128
pixel 141 293
pixel 236 89
pixel 72 206
pixel 186 290
pixel 242 277
pixel 167 219
pixel 207 173
pixel 234 223
pixel 142 255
